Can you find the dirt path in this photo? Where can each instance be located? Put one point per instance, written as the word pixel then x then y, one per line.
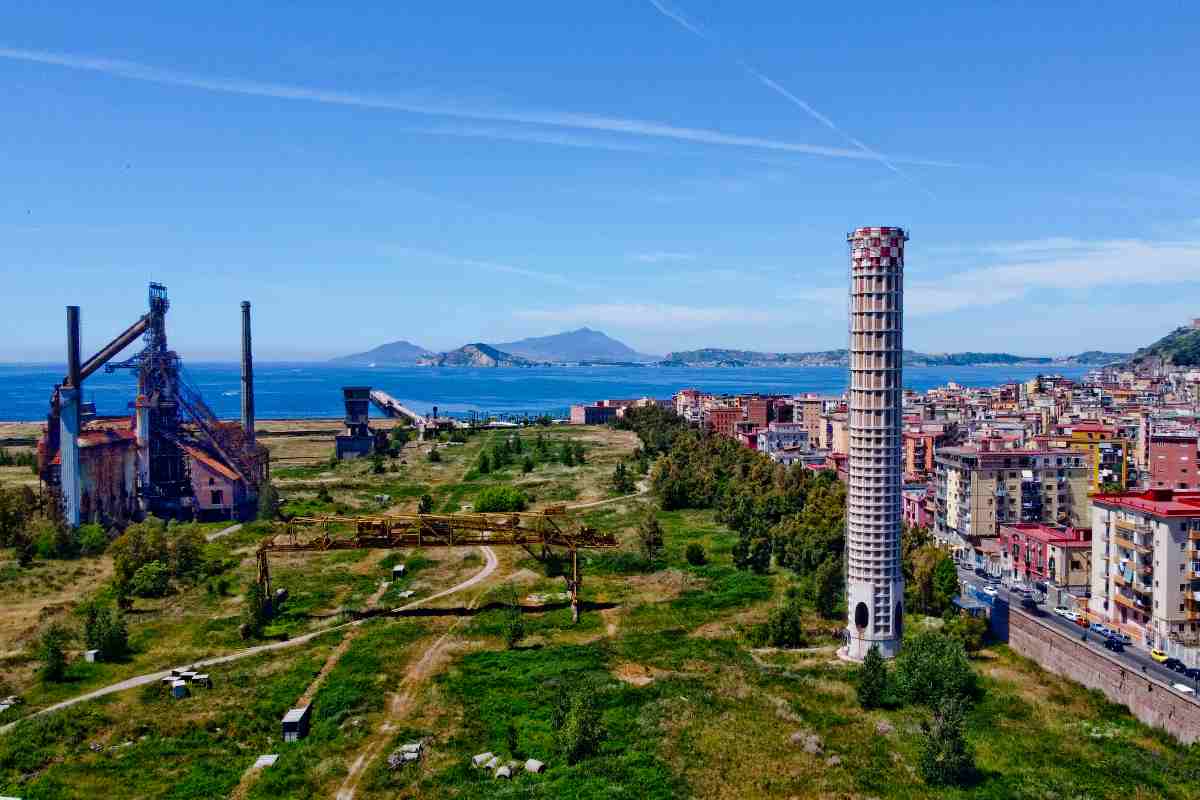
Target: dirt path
pixel 141 680
pixel 398 706
pixel 643 488
pixel 212 537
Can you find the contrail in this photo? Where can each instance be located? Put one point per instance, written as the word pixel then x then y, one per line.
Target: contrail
pixel 556 119
pixel 679 18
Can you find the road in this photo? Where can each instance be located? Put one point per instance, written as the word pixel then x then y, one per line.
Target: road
pixel 1135 657
pixel 490 564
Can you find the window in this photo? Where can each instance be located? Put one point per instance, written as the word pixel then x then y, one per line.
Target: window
pixel 218 497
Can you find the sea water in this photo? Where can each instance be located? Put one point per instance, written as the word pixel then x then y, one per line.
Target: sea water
pixel 308 390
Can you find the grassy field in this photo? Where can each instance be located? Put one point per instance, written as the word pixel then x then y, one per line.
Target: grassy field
pixel 688 707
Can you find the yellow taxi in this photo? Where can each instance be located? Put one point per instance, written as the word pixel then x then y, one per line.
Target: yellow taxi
pixel 1158 655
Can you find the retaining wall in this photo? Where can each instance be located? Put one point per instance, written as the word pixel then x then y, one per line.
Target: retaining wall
pixel 1149 699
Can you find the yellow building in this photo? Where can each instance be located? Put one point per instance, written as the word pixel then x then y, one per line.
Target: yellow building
pixel 1108 454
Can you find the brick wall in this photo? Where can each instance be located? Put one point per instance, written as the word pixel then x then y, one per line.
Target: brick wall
pixel 1149 699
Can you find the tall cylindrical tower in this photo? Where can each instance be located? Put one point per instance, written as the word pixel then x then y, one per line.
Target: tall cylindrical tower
pixel 874 582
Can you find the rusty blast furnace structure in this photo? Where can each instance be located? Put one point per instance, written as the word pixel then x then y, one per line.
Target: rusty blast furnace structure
pixel 172 457
pixel 874 582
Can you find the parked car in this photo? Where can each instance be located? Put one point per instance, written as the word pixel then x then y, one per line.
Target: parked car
pixel 1192 673
pixel 1175 665
pixel 1071 616
pixel 1116 645
pixel 1081 620
pixel 1182 689
pixel 1061 610
pixel 981 572
pixel 1158 655
pixel 1096 627
pixel 1123 636
pixel 990 591
pixel 1029 604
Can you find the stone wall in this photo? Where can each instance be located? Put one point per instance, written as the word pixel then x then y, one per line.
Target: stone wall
pixel 1148 698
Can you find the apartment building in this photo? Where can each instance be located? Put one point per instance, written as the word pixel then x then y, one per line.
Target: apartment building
pixel 781 436
pixel 1056 555
pixel 1171 461
pixel 688 405
pixel 977 490
pixel 723 420
pixel 1108 454
pixel 1146 567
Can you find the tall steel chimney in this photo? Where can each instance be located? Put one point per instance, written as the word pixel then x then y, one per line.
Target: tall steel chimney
pixel 247 376
pixel 69 397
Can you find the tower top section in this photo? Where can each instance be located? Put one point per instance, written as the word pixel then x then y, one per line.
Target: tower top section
pixel 868 233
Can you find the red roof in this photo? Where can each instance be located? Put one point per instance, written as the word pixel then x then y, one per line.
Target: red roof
pixel 211 463
pixel 1159 502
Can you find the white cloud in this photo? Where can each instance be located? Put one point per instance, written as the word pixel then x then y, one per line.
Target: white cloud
pixel 646 315
pixel 661 257
pixel 1057 263
pixel 422 104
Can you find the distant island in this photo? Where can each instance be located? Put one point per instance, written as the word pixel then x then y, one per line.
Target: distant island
pixel 588 347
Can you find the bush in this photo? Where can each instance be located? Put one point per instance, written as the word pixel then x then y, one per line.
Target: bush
pixel 257 612
pixel 527 465
pixel 435 455
pixel 622 482
pixel 695 554
pixel 946 755
pixel 187 552
pixel 828 584
pixel 52 652
pixel 425 505
pixel 872 680
pixel 931 668
pixel 501 498
pixel 151 580
pixel 485 464
pixel 514 617
pixel 967 630
pixel 92 540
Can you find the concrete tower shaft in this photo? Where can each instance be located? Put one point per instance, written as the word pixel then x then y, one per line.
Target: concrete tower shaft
pixel 874 582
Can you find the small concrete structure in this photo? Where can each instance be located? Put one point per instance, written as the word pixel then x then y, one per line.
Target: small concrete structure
pixel 407 593
pixel 91 656
pixel 397 571
pixel 179 689
pixel 504 772
pixel 535 766
pixel 202 679
pixel 481 759
pixel 266 761
pixel 295 723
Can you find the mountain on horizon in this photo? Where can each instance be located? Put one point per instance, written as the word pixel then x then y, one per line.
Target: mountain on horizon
pixel 399 353
pixel 476 354
pixel 582 344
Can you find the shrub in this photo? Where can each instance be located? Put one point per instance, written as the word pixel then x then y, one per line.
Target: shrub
pixel 622 482
pixel 501 498
pixel 932 667
pixel 828 583
pixel 946 755
pixel 139 545
pixel 527 465
pixel 187 552
pixel 151 580
pixel 52 652
pixel 514 617
pixel 695 554
pixel 104 630
pixel 872 680
pixel 435 455
pixel 967 630
pixel 425 504
pixel 485 464
pixel 257 612
pixel 92 540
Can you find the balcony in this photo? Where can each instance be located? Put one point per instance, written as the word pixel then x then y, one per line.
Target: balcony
pixel 1132 527
pixel 1129 603
pixel 1194 536
pixel 1142 588
pixel 1129 544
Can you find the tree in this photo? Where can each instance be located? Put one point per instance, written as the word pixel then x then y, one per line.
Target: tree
pixel 187 552
pixel 695 554
pixel 527 465
pixel 580 729
pixel 514 617
pixel 752 553
pixel 52 652
pixel 397 438
pixel 967 630
pixel 783 627
pixel 16 509
pixel 257 610
pixel 377 465
pixel 828 585
pixel 577 452
pixel 501 498
pixel 485 464
pixel 268 502
pixel 933 582
pixel 425 504
pixel 92 539
pixel 150 580
pixel 435 455
pixel 139 545
pixel 567 454
pixel 650 536
pixel 945 583
pixel 621 481
pixel 947 758
pixel 932 667
pixel 104 630
pixel 872 680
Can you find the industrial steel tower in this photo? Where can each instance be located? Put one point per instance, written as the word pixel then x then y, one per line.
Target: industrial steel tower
pixel 874 583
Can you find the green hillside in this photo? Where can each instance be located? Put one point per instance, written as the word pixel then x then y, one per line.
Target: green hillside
pixel 1180 347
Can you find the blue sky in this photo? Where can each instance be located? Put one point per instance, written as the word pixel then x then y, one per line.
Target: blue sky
pixel 676 174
